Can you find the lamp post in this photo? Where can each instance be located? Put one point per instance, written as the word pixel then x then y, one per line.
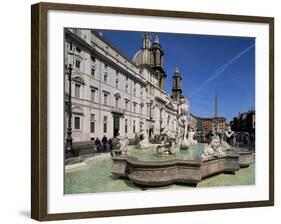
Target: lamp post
pixel 68 67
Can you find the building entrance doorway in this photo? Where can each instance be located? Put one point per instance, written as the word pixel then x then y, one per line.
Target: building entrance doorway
pixel 150 132
pixel 116 125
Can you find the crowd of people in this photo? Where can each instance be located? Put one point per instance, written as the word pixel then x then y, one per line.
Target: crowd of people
pixel 104 144
pixel 239 138
pixel 243 138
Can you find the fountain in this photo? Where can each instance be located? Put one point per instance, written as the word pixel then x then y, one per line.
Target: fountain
pixel 169 162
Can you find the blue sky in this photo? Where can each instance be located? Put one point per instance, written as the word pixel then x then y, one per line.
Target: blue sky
pixel 208 64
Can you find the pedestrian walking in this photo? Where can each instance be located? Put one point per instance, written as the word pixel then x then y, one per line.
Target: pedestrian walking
pixel 98 144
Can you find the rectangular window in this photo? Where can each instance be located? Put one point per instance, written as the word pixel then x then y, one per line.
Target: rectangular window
pixel 93 95
pixel 105 77
pixel 126 126
pixel 92 126
pixel 105 128
pixel 77 123
pixel 127 88
pixel 92 123
pixel 135 88
pixel 134 126
pixel 93 71
pixel 116 102
pixel 135 105
pixel 126 104
pixel 77 90
pixel 105 98
pixel 105 124
pixel 77 64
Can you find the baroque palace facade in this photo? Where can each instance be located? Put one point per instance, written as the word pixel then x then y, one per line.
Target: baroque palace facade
pixel 112 93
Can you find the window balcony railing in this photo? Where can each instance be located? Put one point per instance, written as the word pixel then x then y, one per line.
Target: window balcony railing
pixel 117 110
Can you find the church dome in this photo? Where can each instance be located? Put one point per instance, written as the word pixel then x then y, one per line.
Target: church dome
pixel 142 57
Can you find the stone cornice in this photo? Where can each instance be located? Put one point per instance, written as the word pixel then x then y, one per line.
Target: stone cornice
pixel 86 45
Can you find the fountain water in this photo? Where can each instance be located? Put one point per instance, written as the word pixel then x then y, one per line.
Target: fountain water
pixel 147 168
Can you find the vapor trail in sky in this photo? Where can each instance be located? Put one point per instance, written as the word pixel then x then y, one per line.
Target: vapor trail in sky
pixel 221 69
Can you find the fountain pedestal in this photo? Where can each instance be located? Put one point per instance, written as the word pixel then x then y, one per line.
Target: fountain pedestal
pixel 161 173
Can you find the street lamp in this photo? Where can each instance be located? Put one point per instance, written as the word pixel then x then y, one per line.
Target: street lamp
pixel 68 68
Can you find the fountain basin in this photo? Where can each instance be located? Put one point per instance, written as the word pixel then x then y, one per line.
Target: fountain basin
pixel 161 173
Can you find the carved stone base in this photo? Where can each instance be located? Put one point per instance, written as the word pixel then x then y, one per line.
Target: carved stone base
pixel 160 173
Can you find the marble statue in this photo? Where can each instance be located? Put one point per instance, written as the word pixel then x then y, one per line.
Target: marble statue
pixel 217 146
pixel 182 122
pixel 214 149
pixel 169 143
pixel 191 135
pixel 144 142
pixel 225 139
pixel 225 145
pixel 228 135
pixel 122 146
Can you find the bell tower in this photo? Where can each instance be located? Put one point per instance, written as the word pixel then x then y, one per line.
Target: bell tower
pixel 146 41
pixel 177 90
pixel 157 61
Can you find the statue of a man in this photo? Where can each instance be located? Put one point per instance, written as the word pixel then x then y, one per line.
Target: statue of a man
pixel 168 143
pixel 229 134
pixel 123 141
pixel 144 139
pixel 182 116
pixel 191 135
